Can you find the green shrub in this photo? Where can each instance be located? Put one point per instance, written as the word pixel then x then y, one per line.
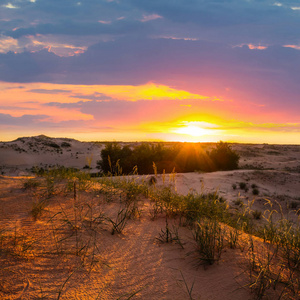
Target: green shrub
pixel 186 157
pixel 242 185
pixel 209 237
pixel 224 157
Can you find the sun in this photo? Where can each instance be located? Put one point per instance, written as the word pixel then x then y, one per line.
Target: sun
pixel 192 130
pixel 195 128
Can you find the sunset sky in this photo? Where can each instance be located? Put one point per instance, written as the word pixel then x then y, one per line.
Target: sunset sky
pixel 131 70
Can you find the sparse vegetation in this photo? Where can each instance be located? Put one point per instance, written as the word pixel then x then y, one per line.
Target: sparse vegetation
pixel 209 237
pixel 243 185
pixel 31 183
pixel 75 221
pixel 238 202
pixel 183 157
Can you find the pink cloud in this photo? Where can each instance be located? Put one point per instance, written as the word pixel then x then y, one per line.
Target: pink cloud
pixel 147 18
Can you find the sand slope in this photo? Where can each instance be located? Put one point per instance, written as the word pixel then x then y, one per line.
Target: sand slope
pixel 133 261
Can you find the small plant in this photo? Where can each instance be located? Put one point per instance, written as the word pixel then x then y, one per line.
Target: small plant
pixel 152 180
pixel 169 236
pixel 253 186
pixel 255 191
pixel 209 238
pixel 238 202
pixel 189 290
pixel 166 235
pixel 256 214
pixel 261 271
pixel 155 210
pixel 293 205
pixel 38 208
pixel 121 220
pixel 242 185
pixel 222 200
pixel 31 183
pixel 233 237
pixel 234 186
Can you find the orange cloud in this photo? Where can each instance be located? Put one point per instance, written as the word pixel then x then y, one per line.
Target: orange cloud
pixel 297 47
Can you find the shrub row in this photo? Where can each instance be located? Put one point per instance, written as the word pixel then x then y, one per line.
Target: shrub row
pixel 184 157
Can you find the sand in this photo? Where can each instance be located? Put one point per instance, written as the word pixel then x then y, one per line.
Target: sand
pixel 34 265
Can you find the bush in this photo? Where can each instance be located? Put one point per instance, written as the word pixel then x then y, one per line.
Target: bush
pixel 65 145
pixel 242 185
pixel 184 157
pixel 53 145
pixel 224 158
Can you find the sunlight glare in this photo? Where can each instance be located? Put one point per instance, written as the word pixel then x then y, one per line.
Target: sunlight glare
pixel 192 130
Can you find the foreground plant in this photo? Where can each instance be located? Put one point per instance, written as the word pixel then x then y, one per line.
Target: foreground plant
pixel 209 238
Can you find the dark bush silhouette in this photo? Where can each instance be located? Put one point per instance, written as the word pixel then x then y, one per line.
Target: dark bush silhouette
pixel 113 156
pixel 65 145
pixel 224 157
pixel 184 157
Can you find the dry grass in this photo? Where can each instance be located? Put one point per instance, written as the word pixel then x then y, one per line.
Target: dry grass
pixel 64 239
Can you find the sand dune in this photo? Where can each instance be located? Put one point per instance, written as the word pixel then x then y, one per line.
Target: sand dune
pixel 68 252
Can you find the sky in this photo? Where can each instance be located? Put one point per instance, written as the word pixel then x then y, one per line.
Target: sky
pixel 143 70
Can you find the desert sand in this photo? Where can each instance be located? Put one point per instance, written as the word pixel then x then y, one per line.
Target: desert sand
pixel 69 252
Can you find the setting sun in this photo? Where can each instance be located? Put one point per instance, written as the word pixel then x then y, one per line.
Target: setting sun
pixel 192 130
pixel 195 129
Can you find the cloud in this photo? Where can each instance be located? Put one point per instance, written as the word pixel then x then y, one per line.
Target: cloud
pixel 30 67
pixel 233 21
pixel 135 61
pixel 296 47
pixel 53 91
pixel 78 104
pixel 147 18
pixel 188 46
pixel 274 127
pixel 8 44
pixel 9 5
pixel 23 121
pixel 94 96
pixel 253 47
pixel 71 27
pixel 16 108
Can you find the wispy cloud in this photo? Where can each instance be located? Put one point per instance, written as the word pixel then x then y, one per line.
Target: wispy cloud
pixel 147 18
pixel 252 46
pixel 9 5
pixel 297 47
pixel 8 44
pixel 45 91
